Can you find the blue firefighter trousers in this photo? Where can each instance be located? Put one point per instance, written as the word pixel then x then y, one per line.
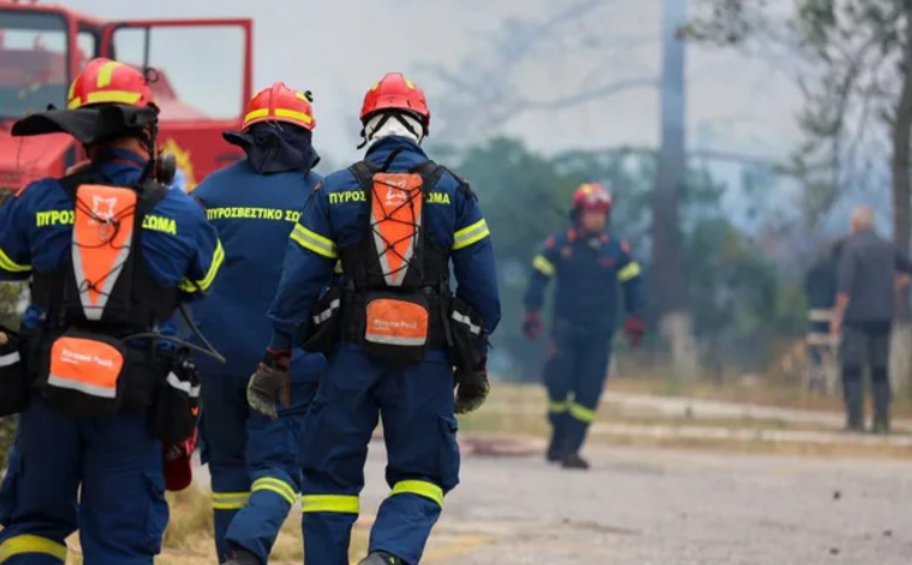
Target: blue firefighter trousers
pixel 415 404
pixel 575 376
pixel 254 461
pixel 113 465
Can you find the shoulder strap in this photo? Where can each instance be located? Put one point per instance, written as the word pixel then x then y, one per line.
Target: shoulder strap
pixel 431 173
pixel 363 171
pixel 150 193
pixel 71 182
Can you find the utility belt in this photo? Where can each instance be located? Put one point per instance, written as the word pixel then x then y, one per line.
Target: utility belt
pixel 81 373
pixel 397 326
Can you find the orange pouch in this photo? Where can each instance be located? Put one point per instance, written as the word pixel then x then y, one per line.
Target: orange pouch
pixel 84 375
pixel 396 328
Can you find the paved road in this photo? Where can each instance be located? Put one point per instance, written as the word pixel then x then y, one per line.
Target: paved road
pixel 643 506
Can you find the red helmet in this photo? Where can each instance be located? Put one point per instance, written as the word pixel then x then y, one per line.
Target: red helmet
pixel 104 81
pixel 396 92
pixel 278 103
pixel 592 197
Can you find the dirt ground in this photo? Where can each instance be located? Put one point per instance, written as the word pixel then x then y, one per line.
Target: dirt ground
pixel 644 506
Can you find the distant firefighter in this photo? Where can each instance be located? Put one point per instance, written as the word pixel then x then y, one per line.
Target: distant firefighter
pixel 588 264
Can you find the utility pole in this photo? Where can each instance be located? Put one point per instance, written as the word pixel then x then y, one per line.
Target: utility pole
pixel 670 280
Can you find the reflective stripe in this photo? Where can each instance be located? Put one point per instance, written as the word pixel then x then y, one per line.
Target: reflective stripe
pixel 27 543
pixel 260 113
pixel 218 257
pixel 543 266
pixel 313 241
pixel 470 235
pixel 820 314
pixel 466 321
pixel 9 359
pixel 632 270
pixel 327 314
pixel 421 488
pixel 338 503
pixel 278 113
pixel 185 386
pixel 277 486
pixel 106 96
pixel 11 266
pixel 293 114
pixel 557 407
pixel 395 340
pixel 87 388
pixel 582 413
pixel 105 73
pixel 229 500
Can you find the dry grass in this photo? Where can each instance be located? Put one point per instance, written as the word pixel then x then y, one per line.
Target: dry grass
pixel 520 409
pixel 189 539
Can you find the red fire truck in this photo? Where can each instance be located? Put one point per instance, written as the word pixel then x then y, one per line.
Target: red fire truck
pixel 200 74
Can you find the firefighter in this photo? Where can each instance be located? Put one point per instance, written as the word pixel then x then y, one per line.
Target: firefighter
pixel 254 204
pixel 110 253
pixel 588 263
pixel 395 221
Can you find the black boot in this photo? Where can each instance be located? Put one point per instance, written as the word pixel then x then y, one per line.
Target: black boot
pixel 556 447
pixel 880 390
pixel 853 391
pixel 380 558
pixel 241 557
pixel 574 461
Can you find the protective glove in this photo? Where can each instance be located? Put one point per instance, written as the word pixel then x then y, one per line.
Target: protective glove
pixel 472 387
pixel 532 325
pixel 634 327
pixel 270 384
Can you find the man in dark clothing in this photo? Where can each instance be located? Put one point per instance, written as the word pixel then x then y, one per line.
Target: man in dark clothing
pixel 863 315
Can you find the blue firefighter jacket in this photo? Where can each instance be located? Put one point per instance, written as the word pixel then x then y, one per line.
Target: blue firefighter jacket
pixel 337 216
pixel 179 246
pixel 589 271
pixel 254 214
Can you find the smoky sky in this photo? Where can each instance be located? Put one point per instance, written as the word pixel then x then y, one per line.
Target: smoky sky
pixel 338 49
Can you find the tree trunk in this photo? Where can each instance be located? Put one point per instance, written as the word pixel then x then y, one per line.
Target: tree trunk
pixel 901 347
pixel 669 278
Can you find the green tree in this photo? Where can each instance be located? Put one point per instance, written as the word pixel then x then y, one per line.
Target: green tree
pixel 525 197
pixel 854 64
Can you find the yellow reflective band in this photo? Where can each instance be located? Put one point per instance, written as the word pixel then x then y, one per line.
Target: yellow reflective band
pixel 261 113
pixel 313 241
pixel 293 114
pixel 557 407
pixel 470 235
pixel 11 266
pixel 582 413
pixel 421 488
pixel 113 97
pixel 277 486
pixel 229 500
pixel 543 266
pixel 632 270
pixel 26 543
pixel 105 73
pixel 218 257
pixel 338 503
pixel 338 268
